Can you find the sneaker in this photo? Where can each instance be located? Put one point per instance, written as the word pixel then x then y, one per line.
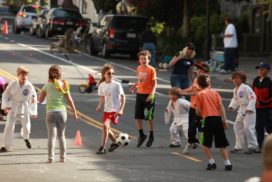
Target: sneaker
pixel 62 160
pixel 49 161
pixel 225 71
pixel 250 151
pixel 149 141
pixel 234 150
pixel 113 146
pixel 174 145
pixel 101 150
pixel 28 144
pixel 195 145
pixel 228 167
pixel 211 166
pixel 141 140
pixel 258 151
pixel 3 149
pixel 187 148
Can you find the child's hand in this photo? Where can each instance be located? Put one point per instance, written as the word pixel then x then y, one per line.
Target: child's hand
pixel 75 115
pixel 132 88
pixel 119 113
pixel 148 99
pixel 98 108
pixel 249 112
pixel 6 110
pixel 226 125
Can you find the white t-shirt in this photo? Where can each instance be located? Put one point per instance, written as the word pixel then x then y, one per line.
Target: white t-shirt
pixel 112 93
pixel 230 42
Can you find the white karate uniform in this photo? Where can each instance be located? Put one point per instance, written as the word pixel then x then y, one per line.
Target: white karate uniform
pixel 180 112
pixel 23 104
pixel 244 126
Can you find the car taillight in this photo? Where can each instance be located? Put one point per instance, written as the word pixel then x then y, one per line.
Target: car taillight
pixel 57 22
pixel 22 14
pixel 111 32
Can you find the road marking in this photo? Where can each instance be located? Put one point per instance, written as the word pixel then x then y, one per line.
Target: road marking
pixel 187 156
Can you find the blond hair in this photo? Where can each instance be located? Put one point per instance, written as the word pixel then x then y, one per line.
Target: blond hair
pixel 22 69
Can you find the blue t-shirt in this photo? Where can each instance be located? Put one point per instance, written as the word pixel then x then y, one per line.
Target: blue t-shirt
pixel 182 66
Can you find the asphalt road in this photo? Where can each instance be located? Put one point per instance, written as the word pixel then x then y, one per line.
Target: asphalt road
pixel 158 163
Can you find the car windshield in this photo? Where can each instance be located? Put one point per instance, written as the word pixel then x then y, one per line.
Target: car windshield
pixel 67 13
pixel 134 23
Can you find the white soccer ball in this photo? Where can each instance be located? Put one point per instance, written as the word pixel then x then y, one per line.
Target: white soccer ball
pixel 165 65
pixel 123 139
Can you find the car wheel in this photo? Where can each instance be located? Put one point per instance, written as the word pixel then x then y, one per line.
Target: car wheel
pixel 31 31
pixel 105 51
pixel 15 29
pixel 93 52
pixel 39 32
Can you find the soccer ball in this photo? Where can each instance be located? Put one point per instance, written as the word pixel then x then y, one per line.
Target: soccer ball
pixel 123 139
pixel 160 65
pixel 165 65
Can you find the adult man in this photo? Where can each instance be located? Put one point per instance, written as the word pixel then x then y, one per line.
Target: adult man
pixel 230 47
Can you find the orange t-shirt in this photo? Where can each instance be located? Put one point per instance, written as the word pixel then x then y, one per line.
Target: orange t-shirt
pixel 146 76
pixel 193 97
pixel 208 101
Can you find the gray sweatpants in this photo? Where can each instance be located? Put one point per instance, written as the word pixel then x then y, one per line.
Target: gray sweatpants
pixel 56 124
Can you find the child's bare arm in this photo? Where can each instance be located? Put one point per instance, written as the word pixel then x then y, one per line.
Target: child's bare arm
pixel 123 102
pixel 71 104
pixel 100 103
pixel 153 91
pixel 223 114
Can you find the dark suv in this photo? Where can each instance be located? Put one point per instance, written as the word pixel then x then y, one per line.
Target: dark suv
pixel 118 34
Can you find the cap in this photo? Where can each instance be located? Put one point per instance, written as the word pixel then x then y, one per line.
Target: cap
pixel 202 65
pixel 22 69
pixel 263 65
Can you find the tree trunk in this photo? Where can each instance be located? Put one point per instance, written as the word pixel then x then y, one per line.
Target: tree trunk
pixel 68 4
pixel 185 21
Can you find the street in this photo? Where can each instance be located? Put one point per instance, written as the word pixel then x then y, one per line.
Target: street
pixel 158 163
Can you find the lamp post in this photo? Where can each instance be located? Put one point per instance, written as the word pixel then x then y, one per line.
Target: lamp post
pixel 207 30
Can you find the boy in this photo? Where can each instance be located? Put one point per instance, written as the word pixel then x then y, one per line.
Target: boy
pixel 19 101
pixel 244 126
pixel 194 120
pixel 145 99
pixel 262 86
pixel 180 109
pixel 209 107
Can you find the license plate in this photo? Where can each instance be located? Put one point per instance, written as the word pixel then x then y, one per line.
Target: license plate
pixel 69 23
pixel 131 35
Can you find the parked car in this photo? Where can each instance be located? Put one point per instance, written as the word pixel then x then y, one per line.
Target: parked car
pixel 118 34
pixel 59 20
pixel 23 19
pixel 38 24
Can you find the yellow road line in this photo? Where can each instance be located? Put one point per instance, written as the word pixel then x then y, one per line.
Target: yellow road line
pixel 186 156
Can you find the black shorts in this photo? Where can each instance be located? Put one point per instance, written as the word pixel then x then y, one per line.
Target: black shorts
pixel 143 109
pixel 214 128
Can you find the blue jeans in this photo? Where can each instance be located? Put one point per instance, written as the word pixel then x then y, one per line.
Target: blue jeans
pixel 180 81
pixel 229 56
pixel 151 47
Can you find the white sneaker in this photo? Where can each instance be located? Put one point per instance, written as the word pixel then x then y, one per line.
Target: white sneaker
pixel 187 148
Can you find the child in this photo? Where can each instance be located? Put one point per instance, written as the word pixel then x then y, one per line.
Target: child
pixel 145 99
pixel 112 95
pixel 180 109
pixel 262 86
pixel 244 126
pixel 194 120
pixel 2 89
pixel 19 101
pixel 209 107
pixel 56 92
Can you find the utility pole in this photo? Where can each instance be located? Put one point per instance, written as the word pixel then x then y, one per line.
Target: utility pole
pixel 207 31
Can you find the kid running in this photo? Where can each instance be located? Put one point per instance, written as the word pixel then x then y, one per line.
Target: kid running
pixel 112 95
pixel 180 109
pixel 244 126
pixel 145 99
pixel 209 107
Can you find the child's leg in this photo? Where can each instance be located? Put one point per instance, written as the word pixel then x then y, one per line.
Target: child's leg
pixel 224 153
pixel 239 132
pixel 112 136
pixel 61 126
pixel 26 125
pixel 185 128
pixel 150 125
pixel 9 129
pixel 52 133
pixel 105 132
pixel 139 124
pixel 207 152
pixel 249 127
pixel 174 135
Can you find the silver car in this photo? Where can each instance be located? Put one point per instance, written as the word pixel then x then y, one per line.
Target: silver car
pixel 23 19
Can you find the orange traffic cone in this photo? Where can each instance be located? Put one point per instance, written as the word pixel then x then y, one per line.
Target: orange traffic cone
pixel 78 140
pixel 5 28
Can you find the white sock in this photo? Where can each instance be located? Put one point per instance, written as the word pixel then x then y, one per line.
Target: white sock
pixel 227 162
pixel 211 161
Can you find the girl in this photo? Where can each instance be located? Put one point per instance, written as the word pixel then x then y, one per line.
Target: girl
pixel 180 109
pixel 244 126
pixel 112 95
pixel 56 91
